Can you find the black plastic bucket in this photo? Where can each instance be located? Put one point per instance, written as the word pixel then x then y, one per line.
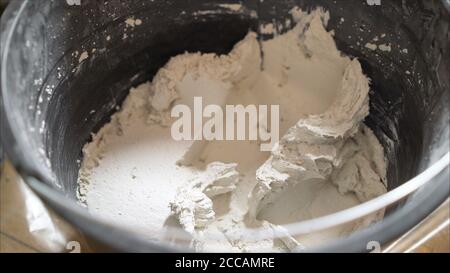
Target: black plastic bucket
pixel 48 96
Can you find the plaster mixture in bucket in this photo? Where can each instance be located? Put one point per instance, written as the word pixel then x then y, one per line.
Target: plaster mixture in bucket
pixel 135 174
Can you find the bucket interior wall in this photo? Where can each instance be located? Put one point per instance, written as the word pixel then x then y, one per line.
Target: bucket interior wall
pixel 58 102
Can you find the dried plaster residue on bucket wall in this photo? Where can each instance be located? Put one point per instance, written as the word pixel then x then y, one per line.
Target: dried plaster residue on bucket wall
pixel 135 174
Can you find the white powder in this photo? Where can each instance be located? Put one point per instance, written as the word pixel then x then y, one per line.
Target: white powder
pixel 83 56
pixel 73 2
pixel 382 47
pixel 131 22
pixel 134 174
pixel 385 47
pixel 233 7
pixel 371 46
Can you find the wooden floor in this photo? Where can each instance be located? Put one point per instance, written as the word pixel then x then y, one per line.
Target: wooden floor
pixel 49 233
pixel 35 230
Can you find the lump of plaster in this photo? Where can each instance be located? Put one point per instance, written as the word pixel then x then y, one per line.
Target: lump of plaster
pixel 224 68
pixel 192 204
pixel 360 166
pixel 333 145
